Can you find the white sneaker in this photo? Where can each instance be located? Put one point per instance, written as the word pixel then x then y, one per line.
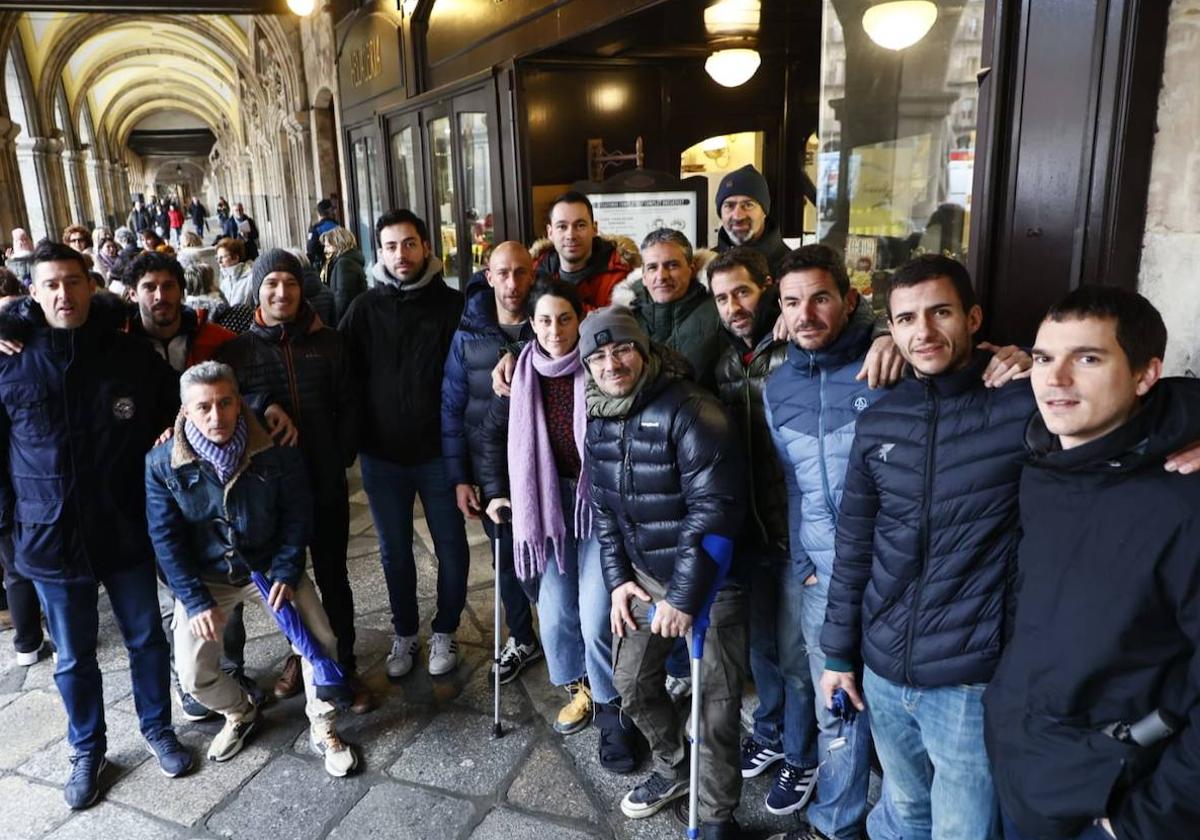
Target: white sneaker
pixel 400 660
pixel 340 757
pixel 443 654
pixel 33 657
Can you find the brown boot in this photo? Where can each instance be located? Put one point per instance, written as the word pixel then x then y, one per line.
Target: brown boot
pixel 364 698
pixel 291 681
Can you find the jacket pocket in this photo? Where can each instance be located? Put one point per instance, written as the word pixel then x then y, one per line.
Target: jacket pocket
pixel 37 511
pixel 28 406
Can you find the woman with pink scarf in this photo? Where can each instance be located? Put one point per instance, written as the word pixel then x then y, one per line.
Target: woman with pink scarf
pixel 534 456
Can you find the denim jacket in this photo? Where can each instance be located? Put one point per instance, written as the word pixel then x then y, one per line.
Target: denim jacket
pixel 260 520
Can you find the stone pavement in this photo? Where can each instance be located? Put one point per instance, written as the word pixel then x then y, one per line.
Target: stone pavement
pixel 431 770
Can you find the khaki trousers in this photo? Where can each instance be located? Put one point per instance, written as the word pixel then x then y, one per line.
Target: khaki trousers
pixel 198 662
pixel 640 674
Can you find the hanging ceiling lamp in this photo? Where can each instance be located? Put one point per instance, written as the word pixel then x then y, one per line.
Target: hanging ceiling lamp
pixel 899 24
pixel 732 27
pixel 304 8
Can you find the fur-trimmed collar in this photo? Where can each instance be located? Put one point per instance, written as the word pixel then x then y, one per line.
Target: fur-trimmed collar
pixel 257 440
pixel 625 246
pixel 625 292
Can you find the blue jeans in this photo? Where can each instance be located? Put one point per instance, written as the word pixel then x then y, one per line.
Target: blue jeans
pixel 73 618
pixel 799 710
pixel 930 743
pixel 1093 832
pixel 764 651
pixel 391 490
pixel 574 607
pixel 844 749
pixel 518 613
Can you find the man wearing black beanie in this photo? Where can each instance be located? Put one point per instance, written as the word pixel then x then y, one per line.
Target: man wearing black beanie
pixel 744 202
pixel 294 372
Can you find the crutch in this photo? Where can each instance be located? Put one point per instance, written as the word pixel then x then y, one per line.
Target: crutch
pixel 719 550
pixel 504 514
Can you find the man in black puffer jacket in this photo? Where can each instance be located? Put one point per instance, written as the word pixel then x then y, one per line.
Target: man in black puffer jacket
pixel 1107 628
pixel 666 471
pixel 296 373
pixel 398 334
pixel 926 554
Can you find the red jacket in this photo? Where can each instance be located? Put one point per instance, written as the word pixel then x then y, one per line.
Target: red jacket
pixel 596 291
pixel 176 217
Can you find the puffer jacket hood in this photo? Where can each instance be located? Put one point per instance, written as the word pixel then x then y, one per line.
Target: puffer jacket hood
pixel 433 268
pixel 611 261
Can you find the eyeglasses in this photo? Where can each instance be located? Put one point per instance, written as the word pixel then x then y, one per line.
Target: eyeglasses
pixel 616 352
pixel 77 239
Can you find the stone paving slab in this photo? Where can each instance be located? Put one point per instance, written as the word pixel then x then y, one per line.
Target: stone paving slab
pixel 289 798
pixel 126 750
pixel 30 810
pixel 392 811
pixel 505 824
pixel 106 820
pixel 29 723
pixel 548 784
pixel 456 753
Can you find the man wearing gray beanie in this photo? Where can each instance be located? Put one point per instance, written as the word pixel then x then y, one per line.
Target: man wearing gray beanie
pixel 296 373
pixel 743 202
pixel 666 471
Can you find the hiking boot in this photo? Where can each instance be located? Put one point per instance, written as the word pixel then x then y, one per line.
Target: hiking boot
pixel 616 739
pixel 340 757
pixel 291 679
pixel 757 757
pixel 443 654
pixel 173 758
pixel 652 795
pixel 793 787
pixel 192 708
pixel 233 735
pixel 804 832
pixel 577 714
pixel 514 657
pixel 83 785
pixel 400 660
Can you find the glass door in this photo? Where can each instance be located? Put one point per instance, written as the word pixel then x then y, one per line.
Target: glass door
pixel 444 221
pixel 405 156
pixel 368 200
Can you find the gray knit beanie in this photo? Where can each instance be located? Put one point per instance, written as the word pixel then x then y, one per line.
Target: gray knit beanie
pixel 611 325
pixel 275 259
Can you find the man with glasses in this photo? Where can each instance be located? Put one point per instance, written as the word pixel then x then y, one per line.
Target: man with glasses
pixel 666 471
pixel 743 202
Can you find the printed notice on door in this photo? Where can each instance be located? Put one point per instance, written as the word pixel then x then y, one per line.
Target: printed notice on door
pixel 635 214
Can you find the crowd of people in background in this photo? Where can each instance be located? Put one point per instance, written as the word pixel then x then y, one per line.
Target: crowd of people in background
pixel 971 565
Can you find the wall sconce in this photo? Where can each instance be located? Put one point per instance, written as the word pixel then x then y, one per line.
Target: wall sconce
pixel 716 148
pixel 899 24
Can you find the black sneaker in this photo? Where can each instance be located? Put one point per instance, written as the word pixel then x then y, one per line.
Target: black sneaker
pixel 757 757
pixel 804 832
pixel 173 758
pixel 83 785
pixel 514 657
pixel 616 739
pixel 793 787
pixel 192 708
pixel 652 795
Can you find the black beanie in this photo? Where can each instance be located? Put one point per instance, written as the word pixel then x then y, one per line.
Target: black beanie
pixel 273 260
pixel 745 181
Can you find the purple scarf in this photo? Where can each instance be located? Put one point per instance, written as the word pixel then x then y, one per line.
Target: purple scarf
pixel 533 477
pixel 224 458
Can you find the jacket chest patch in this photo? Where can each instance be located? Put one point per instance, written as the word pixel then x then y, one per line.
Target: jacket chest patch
pixel 860 403
pixel 123 408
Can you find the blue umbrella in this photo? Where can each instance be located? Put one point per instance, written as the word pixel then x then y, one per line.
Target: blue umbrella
pixel 328 677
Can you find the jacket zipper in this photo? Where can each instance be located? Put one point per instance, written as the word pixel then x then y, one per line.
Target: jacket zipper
pixel 747 372
pixel 821 449
pixel 293 387
pixel 71 449
pixel 931 399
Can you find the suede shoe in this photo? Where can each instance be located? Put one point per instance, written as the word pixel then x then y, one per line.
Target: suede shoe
pixel 793 787
pixel 757 757
pixel 291 679
pixel 83 785
pixel 616 739
pixel 804 832
pixel 233 735
pixel 652 795
pixel 192 708
pixel 363 700
pixel 173 758
pixel 340 757
pixel 577 714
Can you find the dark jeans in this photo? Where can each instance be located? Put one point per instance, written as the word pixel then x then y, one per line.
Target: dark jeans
pixel 331 534
pixel 73 617
pixel 391 490
pixel 21 602
pixel 517 611
pixel 1093 832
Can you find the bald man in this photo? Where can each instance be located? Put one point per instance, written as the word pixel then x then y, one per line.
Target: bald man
pixel 20 257
pixel 494 321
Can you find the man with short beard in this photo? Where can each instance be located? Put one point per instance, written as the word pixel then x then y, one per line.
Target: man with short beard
pixel 581 256
pixel 666 472
pixel 398 333
pixel 744 203
pixel 181 335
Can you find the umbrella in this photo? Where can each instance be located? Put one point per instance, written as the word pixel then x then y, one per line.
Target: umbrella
pixel 328 677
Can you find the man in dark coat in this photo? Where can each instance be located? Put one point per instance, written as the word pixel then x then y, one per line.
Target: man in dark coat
pixel 666 472
pixel 198 214
pixel 744 205
pixel 326 221
pixel 292 364
pixel 140 218
pixel 79 408
pixel 1093 719
pixel 398 334
pixel 245 229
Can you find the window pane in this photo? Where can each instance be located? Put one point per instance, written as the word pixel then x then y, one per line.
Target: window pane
pixel 897 131
pixel 445 223
pixel 373 168
pixel 362 195
pixel 405 166
pixel 477 183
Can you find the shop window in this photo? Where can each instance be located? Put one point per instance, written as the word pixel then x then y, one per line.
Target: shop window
pixel 894 177
pixel 477 183
pixel 405 163
pixel 366 190
pixel 445 222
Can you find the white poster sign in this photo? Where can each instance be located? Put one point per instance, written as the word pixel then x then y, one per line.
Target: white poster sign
pixel 635 214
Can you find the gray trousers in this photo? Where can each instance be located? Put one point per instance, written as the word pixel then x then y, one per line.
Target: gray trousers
pixel 639 674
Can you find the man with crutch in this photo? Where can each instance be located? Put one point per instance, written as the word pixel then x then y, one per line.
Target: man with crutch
pixel 667 485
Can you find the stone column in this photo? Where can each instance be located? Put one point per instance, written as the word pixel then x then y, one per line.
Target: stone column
pixel 97 187
pixel 12 197
pixel 77 191
pixel 56 199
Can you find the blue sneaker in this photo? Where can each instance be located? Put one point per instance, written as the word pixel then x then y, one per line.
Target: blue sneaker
pixel 757 757
pixel 793 787
pixel 173 757
pixel 83 785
